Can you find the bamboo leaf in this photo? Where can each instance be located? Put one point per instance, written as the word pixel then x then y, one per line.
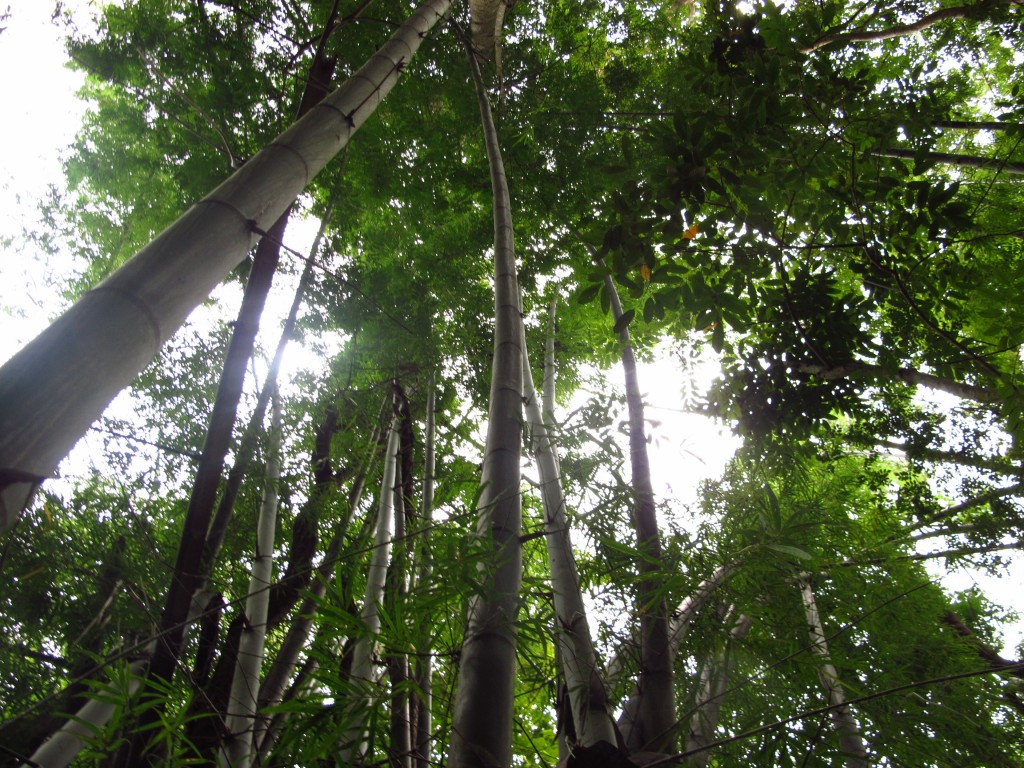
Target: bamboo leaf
pixel 786 549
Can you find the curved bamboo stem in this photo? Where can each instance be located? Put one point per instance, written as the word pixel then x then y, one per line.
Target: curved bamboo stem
pixel 587 695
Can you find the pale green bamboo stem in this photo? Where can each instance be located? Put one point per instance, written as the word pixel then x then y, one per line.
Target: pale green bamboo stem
pixel 587 695
pixel 363 673
pixel 245 685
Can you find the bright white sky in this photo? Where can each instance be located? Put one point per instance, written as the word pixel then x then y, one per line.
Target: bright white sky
pixel 40 121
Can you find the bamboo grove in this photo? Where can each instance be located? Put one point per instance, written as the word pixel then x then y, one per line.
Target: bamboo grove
pixel 408 520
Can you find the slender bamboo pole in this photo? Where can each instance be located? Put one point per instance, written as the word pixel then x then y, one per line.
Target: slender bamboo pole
pixel 247 443
pixel 274 724
pixel 907 375
pixel 960 161
pixel 714 685
pixel 654 723
pixel 679 626
pixel 63 746
pixel 399 748
pixel 423 670
pixel 851 743
pixel 483 709
pixel 588 698
pixel 354 745
pixel 187 577
pixel 245 686
pixel 900 30
pixel 282 668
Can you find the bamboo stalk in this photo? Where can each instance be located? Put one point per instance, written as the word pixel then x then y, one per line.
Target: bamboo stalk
pixel 55 387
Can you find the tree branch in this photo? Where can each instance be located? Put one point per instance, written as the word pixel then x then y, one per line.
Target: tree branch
pixel 907 375
pixel 900 30
pixel 961 161
pixel 985 651
pixel 947 457
pixel 959 552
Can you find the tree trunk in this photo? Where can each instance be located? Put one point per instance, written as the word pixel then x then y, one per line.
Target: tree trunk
pixel 946 457
pixel 80 664
pixel 241 712
pixel 399 748
pixel 317 86
pixel 985 651
pixel 943 532
pixel 115 330
pixel 487 19
pixel 274 724
pixel 979 125
pixel 976 501
pixel 283 666
pixel 681 620
pixel 286 591
pixel 654 723
pixel 354 745
pixel 400 744
pixel 960 161
pixel 483 709
pixel 548 384
pixel 63 746
pixel 957 552
pixel 207 611
pixel 592 721
pixel 694 604
pixel 908 375
pixel 851 743
pixel 204 730
pixel 679 626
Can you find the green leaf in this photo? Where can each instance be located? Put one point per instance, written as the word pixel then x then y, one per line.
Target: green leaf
pixel 786 549
pixel 624 320
pixel 588 293
pixel 774 507
pixel 718 337
pixel 649 308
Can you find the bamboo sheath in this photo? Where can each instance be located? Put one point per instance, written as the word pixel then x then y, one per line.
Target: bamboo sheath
pixel 60 383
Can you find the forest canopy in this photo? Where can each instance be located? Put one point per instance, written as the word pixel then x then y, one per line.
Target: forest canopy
pixel 361 275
